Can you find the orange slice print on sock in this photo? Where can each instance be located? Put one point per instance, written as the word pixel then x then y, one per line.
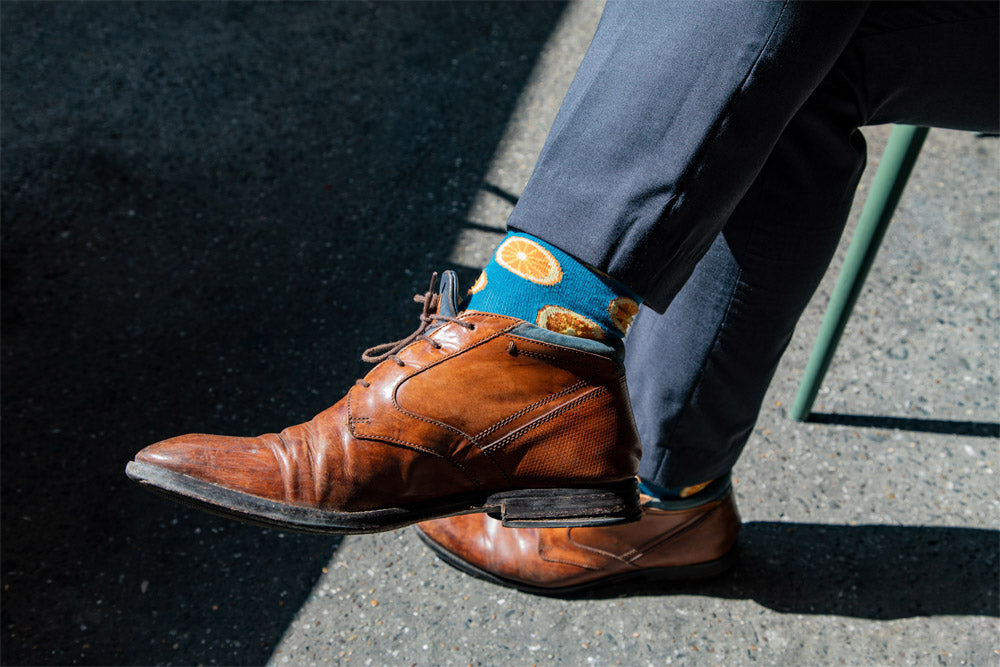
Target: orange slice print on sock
pixel 622 311
pixel 691 490
pixel 479 284
pixel 530 261
pixel 565 321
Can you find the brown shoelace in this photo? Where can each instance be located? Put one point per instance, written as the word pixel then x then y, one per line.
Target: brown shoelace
pixel 430 300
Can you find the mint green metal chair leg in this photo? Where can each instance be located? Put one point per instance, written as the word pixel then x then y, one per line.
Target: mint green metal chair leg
pixel 897 162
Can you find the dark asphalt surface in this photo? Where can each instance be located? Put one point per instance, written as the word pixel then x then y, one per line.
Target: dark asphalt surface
pixel 209 210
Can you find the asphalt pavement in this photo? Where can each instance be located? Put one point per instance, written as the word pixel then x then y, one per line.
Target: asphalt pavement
pixel 210 209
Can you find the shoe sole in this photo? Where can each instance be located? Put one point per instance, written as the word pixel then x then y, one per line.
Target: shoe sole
pixel 599 505
pixel 681 573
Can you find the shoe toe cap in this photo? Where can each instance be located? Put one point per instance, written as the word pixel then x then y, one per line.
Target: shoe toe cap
pixel 242 464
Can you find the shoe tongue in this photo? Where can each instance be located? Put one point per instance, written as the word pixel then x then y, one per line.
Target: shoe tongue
pixel 448 291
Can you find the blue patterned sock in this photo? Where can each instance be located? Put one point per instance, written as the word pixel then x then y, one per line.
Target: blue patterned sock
pixel 663 493
pixel 532 280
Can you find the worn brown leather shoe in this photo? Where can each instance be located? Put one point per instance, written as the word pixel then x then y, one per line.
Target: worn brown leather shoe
pixel 473 412
pixel 676 540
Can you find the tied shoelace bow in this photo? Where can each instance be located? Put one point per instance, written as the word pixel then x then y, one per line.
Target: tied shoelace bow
pixel 430 299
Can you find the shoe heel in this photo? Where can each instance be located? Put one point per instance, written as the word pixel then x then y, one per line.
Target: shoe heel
pixel 599 505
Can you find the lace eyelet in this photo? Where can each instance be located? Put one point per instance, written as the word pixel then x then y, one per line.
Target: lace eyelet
pixel 431 301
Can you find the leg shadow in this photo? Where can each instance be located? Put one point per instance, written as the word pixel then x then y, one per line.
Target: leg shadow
pixel 945 426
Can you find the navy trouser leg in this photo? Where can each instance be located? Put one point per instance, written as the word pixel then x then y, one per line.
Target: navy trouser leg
pixel 670 117
pixel 699 372
pixel 693 117
pixel 677 105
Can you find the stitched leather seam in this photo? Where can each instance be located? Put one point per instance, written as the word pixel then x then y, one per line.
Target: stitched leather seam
pixel 503 442
pixel 351 419
pixel 582 363
pixel 595 550
pixel 680 530
pixel 403 443
pixel 565 561
pixel 553 346
pixel 631 555
pixel 440 424
pixel 542 556
pixel 415 447
pixel 435 422
pixel 561 561
pixel 523 411
pixel 492 460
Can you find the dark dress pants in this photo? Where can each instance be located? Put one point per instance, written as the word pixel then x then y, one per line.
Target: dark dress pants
pixel 706 155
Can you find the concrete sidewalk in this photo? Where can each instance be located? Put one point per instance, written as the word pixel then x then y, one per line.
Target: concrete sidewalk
pixel 209 210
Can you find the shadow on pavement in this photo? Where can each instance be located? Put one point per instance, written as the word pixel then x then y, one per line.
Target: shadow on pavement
pixel 946 426
pixel 209 211
pixel 873 572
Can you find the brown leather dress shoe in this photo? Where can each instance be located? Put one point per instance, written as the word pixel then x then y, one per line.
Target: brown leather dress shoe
pixel 473 412
pixel 681 540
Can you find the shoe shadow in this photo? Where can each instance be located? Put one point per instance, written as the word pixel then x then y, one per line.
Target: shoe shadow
pixel 873 572
pixel 209 211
